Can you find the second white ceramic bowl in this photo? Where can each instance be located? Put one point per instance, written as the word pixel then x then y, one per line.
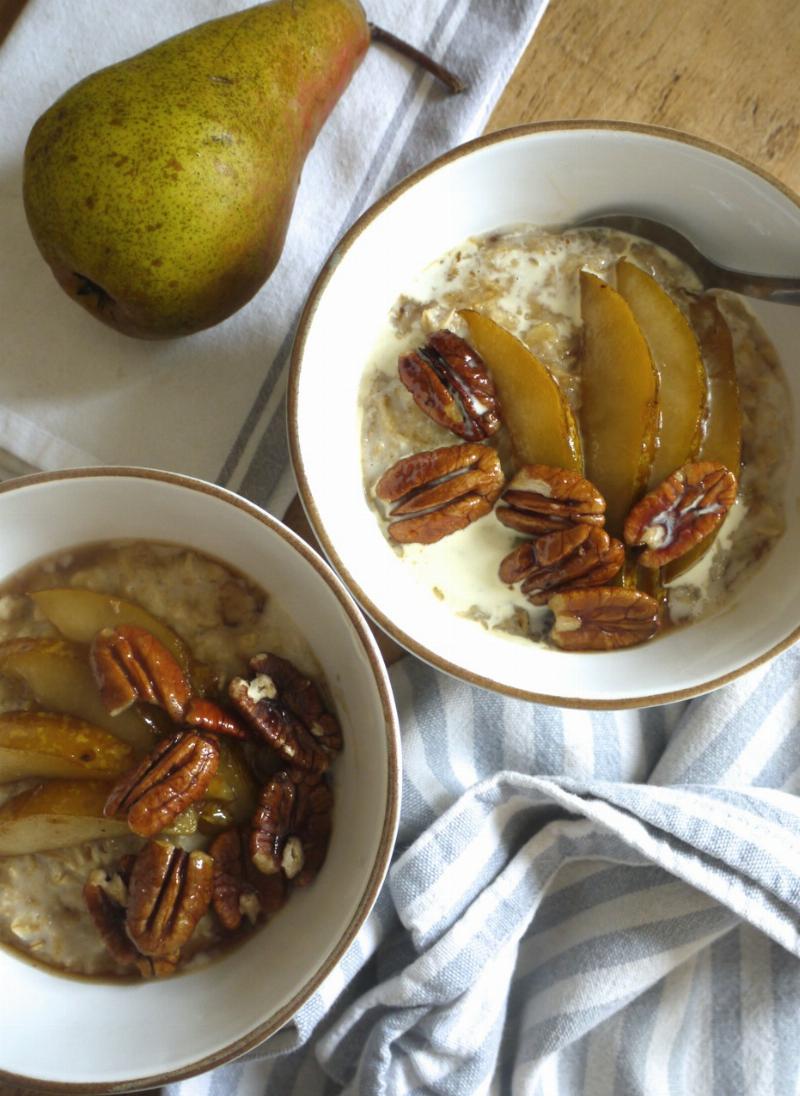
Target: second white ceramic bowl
pixel 86 1036
pixel 548 174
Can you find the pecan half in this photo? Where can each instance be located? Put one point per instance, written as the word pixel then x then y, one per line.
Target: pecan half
pixel 232 897
pixel 106 896
pixel 291 829
pixel 449 381
pixel 300 695
pixel 286 711
pixel 602 618
pixel 169 891
pixel 578 556
pixel 240 891
pixel 272 822
pixel 543 499
pixel 173 775
pixel 440 491
pixel 312 827
pixel 207 715
pixel 680 512
pixel 130 664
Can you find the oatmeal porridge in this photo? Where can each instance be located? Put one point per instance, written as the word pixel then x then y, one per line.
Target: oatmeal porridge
pixel 165 745
pixel 537 368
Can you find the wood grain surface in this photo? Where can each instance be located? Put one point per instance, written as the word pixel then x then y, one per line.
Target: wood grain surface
pixel 724 70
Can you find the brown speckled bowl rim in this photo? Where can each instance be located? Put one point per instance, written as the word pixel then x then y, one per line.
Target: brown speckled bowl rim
pixel 380 866
pixel 306 320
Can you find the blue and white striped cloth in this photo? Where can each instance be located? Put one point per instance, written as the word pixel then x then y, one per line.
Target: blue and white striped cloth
pixel 580 902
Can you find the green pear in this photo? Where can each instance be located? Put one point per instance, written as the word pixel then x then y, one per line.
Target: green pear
pixel 159 190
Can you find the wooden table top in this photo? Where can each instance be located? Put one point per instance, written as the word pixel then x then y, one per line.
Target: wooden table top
pixel 724 70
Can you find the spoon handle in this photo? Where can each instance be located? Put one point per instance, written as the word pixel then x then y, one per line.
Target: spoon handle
pixel 766 287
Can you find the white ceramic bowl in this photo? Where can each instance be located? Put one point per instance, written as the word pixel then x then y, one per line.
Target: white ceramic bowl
pixel 543 174
pixel 85 1036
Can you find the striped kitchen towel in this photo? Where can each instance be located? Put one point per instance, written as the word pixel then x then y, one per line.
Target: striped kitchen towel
pixel 580 903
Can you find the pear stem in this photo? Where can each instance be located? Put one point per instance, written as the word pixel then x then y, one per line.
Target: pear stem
pixel 452 82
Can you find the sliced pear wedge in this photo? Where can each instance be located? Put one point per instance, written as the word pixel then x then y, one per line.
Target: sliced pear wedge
pixel 619 403
pixel 80 614
pixel 58 675
pixel 539 419
pixel 50 744
pixel 676 356
pixel 722 438
pixel 55 814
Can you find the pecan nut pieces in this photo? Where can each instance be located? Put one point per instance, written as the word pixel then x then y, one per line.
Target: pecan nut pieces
pixel 208 716
pixel 173 775
pixel 602 618
pixel 542 499
pixel 291 829
pixel 580 556
pixel 130 664
pixel 300 695
pixel 439 491
pixel 106 897
pixel 683 510
pixel 169 891
pixel 449 381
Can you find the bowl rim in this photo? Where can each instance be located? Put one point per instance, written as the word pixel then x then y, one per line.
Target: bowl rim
pixel 408 642
pixel 382 860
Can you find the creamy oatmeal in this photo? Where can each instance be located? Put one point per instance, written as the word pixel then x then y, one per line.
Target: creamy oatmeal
pixel 528 282
pixel 211 790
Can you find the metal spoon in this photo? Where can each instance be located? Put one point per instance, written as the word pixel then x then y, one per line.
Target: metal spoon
pixel 782 290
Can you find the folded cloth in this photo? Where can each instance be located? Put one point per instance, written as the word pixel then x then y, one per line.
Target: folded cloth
pixel 212 405
pixel 599 903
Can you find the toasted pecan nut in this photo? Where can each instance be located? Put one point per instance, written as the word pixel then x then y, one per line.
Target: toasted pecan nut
pixel 277 726
pixel 207 715
pixel 577 556
pixel 602 618
pixel 232 897
pixel 169 891
pixel 439 491
pixel 679 513
pixel 449 381
pixel 272 823
pixel 130 664
pixel 542 499
pixel 291 829
pixel 106 897
pixel 173 775
pixel 285 709
pixel 240 890
pixel 301 696
pixel 312 826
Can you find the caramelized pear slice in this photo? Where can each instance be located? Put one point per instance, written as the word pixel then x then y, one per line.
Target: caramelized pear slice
pixel 55 814
pixel 619 403
pixel 233 783
pixel 50 744
pixel 534 409
pixel 722 439
pixel 80 614
pixel 676 356
pixel 57 673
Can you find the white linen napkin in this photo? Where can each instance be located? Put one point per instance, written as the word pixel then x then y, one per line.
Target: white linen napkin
pixel 74 392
